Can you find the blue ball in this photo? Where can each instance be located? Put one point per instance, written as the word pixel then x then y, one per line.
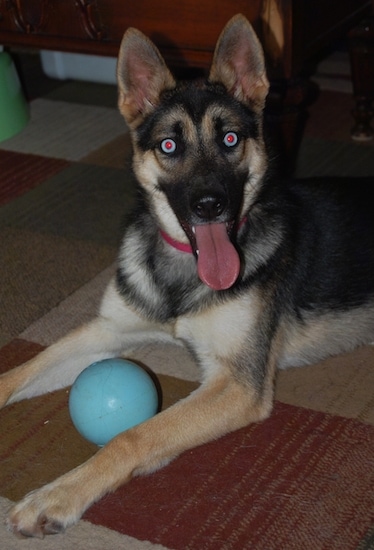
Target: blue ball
pixel 109 397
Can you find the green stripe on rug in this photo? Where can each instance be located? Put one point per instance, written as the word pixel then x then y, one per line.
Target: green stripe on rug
pixel 367 542
pixel 319 157
pixel 83 202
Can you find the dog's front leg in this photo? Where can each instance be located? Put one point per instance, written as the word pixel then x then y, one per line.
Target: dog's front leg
pixel 229 398
pixel 216 408
pixel 116 329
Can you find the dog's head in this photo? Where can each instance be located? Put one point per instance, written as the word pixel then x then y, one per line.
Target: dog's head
pixel 198 147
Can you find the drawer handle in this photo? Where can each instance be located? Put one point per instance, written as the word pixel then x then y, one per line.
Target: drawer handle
pixel 15 7
pixel 86 11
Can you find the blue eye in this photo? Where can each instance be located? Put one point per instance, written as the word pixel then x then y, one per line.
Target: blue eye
pixel 168 146
pixel 230 139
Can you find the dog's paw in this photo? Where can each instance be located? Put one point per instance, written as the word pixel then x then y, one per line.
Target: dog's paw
pixel 46 511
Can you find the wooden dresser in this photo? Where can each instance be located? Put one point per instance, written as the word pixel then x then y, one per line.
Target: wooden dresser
pixel 292 32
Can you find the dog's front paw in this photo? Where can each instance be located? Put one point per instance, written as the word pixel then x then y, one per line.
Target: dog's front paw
pixel 46 511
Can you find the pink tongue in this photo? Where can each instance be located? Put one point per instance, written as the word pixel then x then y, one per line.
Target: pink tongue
pixel 218 262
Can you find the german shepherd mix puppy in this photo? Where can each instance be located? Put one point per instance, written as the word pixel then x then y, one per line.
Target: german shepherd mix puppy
pixel 250 273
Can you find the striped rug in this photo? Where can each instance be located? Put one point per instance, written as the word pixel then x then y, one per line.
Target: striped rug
pixel 303 479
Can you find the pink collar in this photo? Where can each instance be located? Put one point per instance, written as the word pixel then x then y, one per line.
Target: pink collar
pixel 183 247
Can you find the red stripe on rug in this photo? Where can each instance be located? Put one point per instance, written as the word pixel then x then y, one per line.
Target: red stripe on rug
pixel 301 479
pixel 20 173
pixel 16 352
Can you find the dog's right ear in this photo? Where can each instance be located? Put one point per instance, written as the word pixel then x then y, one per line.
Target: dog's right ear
pixel 142 75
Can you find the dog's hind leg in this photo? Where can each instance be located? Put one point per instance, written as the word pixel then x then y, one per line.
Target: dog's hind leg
pixel 217 407
pixel 116 329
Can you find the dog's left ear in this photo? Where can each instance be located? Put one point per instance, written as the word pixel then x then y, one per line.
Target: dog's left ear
pixel 239 63
pixel 142 75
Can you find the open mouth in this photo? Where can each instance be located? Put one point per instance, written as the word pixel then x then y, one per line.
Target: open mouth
pixel 218 262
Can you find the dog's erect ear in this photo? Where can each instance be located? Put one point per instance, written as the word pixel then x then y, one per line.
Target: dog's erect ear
pixel 239 63
pixel 141 74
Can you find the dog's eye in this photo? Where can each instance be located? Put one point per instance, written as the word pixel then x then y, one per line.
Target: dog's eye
pixel 230 139
pixel 168 146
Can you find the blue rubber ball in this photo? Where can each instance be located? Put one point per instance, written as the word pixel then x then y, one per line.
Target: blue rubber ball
pixel 109 397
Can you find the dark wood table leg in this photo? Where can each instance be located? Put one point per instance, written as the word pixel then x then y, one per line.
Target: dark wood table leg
pixel 361 45
pixel 285 117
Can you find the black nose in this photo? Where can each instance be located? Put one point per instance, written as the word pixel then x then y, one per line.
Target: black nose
pixel 209 208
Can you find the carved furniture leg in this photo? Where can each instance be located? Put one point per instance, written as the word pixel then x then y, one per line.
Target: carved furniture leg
pixel 361 45
pixel 285 117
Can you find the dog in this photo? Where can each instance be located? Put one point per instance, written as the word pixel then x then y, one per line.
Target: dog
pixel 249 272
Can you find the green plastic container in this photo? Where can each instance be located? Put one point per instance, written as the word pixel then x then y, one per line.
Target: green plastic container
pixel 14 111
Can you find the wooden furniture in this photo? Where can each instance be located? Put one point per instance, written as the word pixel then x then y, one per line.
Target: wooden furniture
pixel 292 32
pixel 361 41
